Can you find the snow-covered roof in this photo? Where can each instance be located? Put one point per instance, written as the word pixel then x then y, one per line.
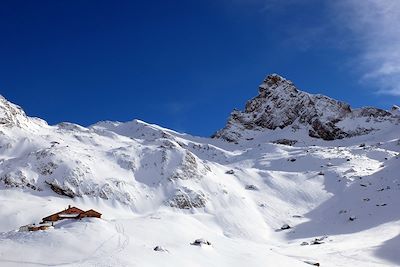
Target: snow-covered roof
pixel 68 215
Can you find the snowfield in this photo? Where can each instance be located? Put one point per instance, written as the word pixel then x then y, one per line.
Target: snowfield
pixel 339 198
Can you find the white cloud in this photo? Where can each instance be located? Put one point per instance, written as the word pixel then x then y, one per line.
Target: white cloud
pixel 375 26
pixel 367 29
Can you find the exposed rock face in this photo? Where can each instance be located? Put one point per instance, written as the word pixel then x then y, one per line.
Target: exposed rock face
pixel 280 104
pixel 10 114
pixel 190 168
pixel 186 198
pixel 286 142
pixel 18 179
pixel 61 190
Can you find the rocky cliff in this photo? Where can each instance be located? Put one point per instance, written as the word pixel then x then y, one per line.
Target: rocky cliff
pixel 279 104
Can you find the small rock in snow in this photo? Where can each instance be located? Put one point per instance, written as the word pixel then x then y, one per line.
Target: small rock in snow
pixel 200 242
pixel 230 172
pixel 160 249
pixel 316 242
pixel 251 187
pixel 352 218
pixel 312 263
pixel 285 227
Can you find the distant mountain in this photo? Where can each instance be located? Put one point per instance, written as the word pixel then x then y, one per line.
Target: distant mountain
pixel 279 104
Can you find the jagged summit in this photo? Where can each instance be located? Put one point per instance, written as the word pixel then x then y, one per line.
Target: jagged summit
pixel 280 104
pixel 275 81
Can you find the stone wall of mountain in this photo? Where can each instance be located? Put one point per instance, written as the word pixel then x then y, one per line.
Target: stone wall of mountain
pixel 279 104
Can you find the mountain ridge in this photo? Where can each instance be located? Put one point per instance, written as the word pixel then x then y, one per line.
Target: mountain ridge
pixel 280 104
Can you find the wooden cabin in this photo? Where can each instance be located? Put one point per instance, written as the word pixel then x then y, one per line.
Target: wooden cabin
pixel 71 213
pixel 38 227
pixel 34 227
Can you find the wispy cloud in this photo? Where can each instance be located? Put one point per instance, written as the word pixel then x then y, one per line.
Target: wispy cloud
pixel 375 29
pixel 368 29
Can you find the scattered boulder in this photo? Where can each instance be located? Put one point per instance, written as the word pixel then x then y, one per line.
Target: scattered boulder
pixel 200 242
pixel 312 263
pixel 319 241
pixel 362 145
pixel 316 242
pixel 230 172
pixel 304 243
pixel 251 187
pixel 285 227
pixel 160 249
pixel 321 173
pixel 352 218
pixel 292 159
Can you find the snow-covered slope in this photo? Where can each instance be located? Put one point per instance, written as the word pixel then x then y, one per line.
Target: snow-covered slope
pixel 158 187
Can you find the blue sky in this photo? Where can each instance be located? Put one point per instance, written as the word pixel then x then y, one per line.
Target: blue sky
pixel 186 64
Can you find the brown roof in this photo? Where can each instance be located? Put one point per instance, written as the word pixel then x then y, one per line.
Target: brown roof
pixel 67 211
pixel 92 211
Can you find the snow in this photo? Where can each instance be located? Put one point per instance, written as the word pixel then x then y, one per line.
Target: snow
pixel 157 187
pixel 70 215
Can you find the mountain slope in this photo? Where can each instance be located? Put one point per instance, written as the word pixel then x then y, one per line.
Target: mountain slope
pixel 155 186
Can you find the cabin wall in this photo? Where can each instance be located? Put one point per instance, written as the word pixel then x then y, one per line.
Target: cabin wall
pixel 52 218
pixel 90 213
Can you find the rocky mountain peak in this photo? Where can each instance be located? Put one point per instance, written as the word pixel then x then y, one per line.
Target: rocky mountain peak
pixel 280 104
pixel 275 82
pixel 11 114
